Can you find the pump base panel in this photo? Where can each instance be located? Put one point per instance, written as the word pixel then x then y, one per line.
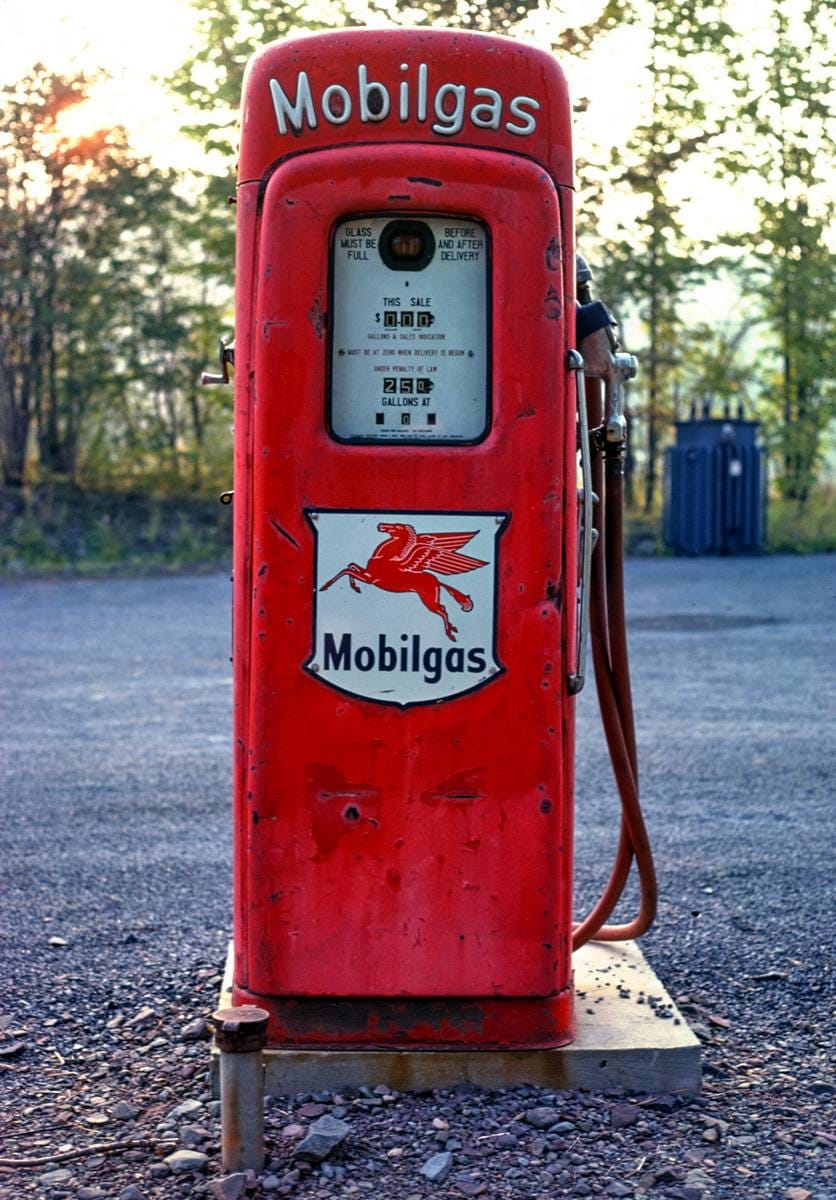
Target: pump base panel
pixel 425 1022
pixel 628 1034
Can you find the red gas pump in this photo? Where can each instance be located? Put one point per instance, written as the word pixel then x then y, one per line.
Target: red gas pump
pixel 406 632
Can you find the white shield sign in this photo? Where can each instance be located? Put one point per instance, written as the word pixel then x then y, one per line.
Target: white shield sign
pixel 405 603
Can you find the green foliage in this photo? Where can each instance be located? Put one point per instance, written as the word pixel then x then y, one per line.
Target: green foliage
pixel 28 547
pixel 710 369
pixel 643 534
pixel 61 529
pixel 765 127
pixel 784 149
pixel 103 328
pixel 651 264
pixel 115 276
pixel 794 527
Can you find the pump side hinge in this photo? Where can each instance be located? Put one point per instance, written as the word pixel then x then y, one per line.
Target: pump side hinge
pixel 227 360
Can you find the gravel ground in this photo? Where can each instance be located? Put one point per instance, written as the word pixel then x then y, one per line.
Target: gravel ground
pixel 114 781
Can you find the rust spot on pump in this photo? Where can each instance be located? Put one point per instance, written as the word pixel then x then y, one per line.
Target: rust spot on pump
pixel 317 318
pixel 554 254
pixel 553 305
pixel 391 1019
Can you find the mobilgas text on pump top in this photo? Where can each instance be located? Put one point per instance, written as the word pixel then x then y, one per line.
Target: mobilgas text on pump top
pixel 417 98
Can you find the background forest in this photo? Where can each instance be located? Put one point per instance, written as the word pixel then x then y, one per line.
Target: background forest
pixel 708 224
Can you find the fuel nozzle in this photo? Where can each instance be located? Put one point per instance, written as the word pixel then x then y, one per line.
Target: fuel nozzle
pixel 602 361
pixel 598 344
pixel 623 367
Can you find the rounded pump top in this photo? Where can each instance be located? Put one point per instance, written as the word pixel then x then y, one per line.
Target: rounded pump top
pixel 404 85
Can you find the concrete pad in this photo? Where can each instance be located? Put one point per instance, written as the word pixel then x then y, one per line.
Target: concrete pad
pixel 630 1035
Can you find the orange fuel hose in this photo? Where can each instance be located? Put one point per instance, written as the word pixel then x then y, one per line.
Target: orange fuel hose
pixel 612 679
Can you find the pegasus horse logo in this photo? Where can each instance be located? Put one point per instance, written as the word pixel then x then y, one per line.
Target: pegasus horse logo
pixel 404 562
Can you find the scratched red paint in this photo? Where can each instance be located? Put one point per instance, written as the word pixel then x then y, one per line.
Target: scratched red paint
pixel 405 883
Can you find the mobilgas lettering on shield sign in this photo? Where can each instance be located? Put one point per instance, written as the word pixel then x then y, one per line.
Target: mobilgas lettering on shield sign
pixel 405 603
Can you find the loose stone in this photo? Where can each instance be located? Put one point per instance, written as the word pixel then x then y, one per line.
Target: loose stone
pixel 56 1178
pixel 323 1137
pixel 194 1031
pixel 437 1168
pixel 189 1108
pixel 145 1014
pixel 183 1161
pixel 542 1118
pixel 231 1187
pixel 122 1111
pixel 506 1141
pixel 309 1111
pixel 193 1135
pixel 622 1115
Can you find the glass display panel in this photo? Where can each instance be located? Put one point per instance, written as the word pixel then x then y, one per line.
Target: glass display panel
pixel 409 341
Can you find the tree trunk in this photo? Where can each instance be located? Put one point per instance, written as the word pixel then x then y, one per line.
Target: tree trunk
pixel 15 420
pixel 629 463
pixel 652 391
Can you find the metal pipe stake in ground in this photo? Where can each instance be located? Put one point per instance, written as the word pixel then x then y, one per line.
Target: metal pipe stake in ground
pixel 241 1035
